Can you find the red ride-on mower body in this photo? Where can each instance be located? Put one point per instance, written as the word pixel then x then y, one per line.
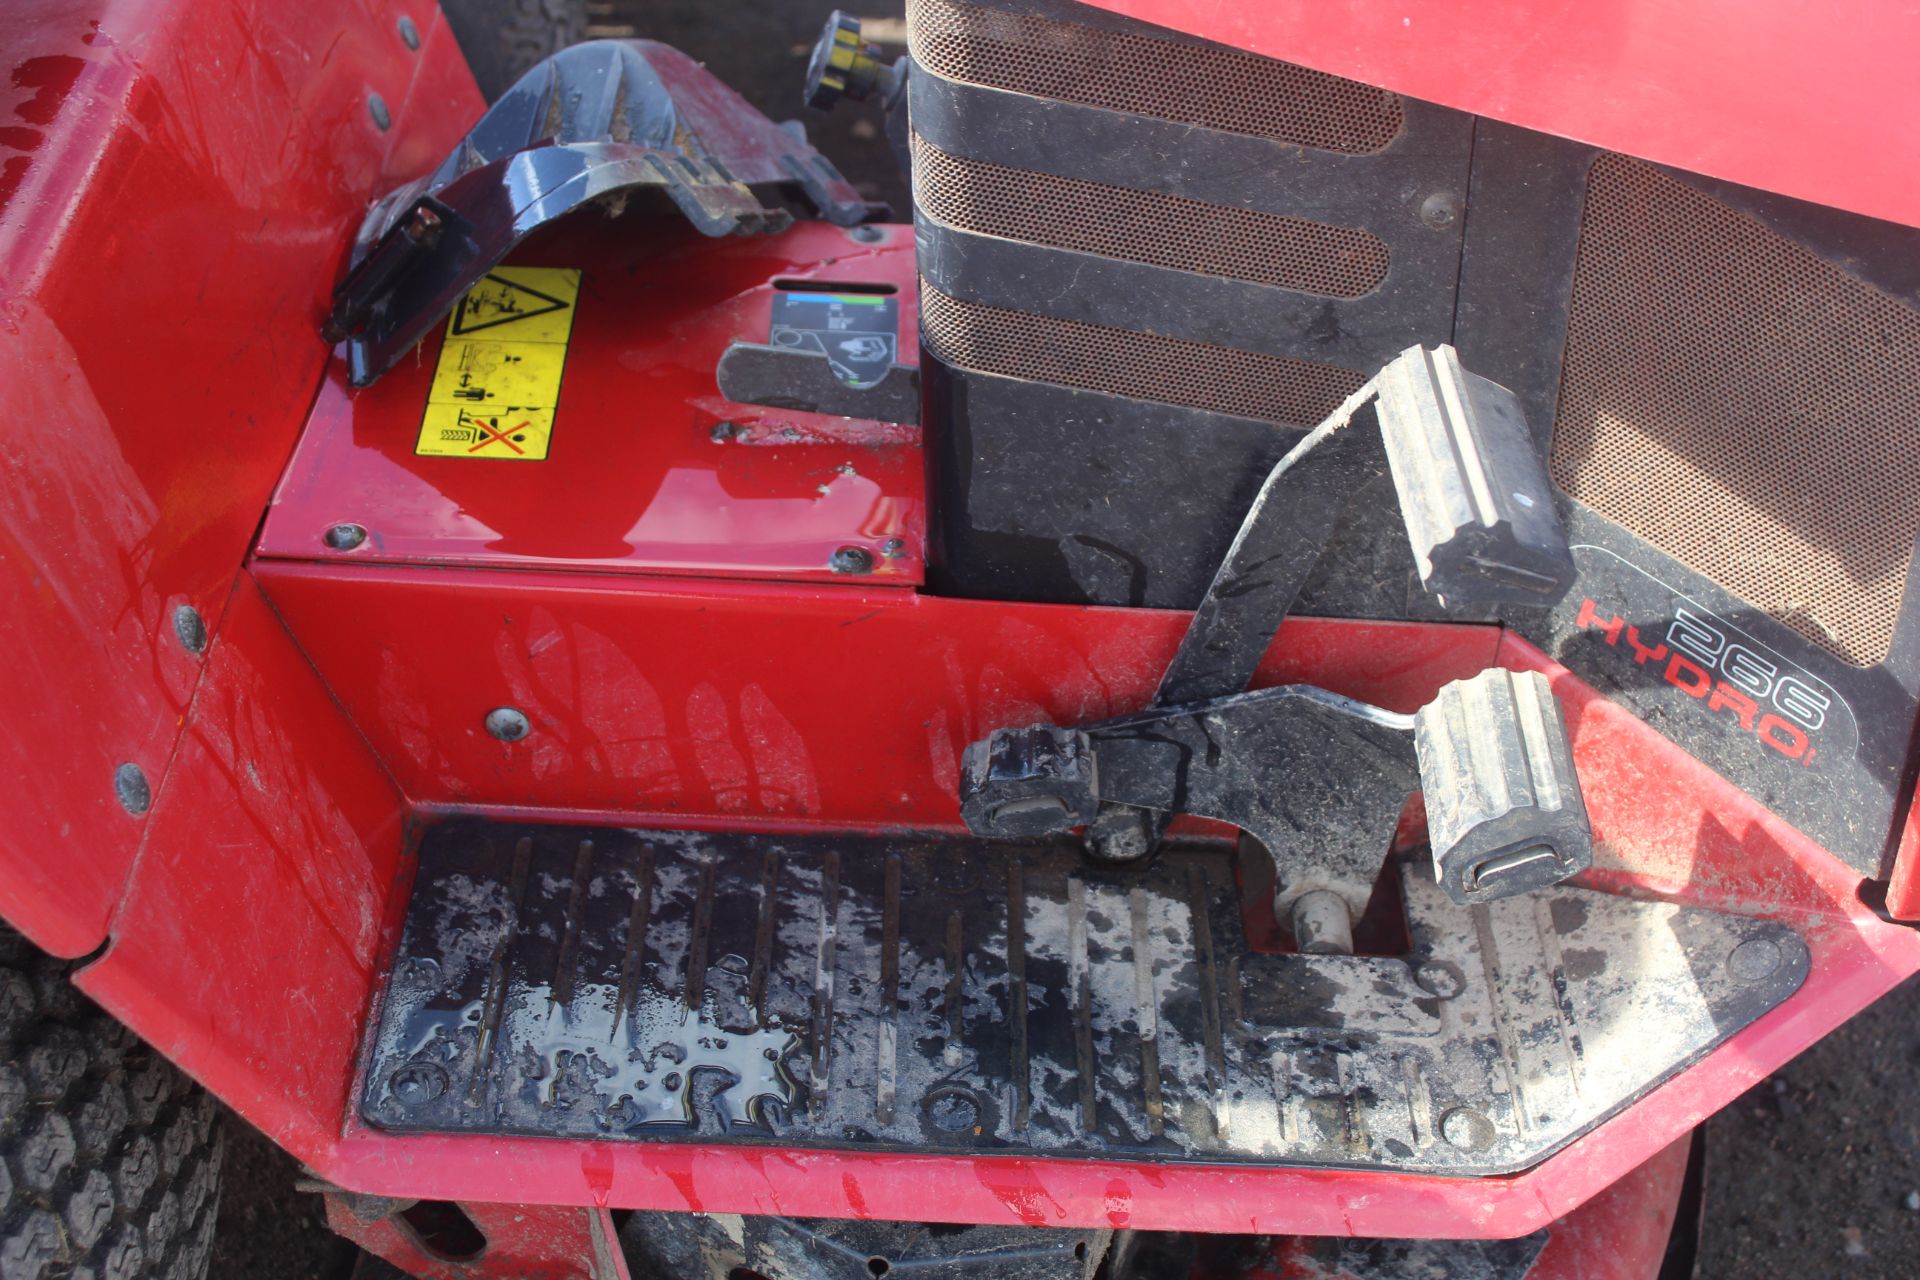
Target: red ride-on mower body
pixel 549 814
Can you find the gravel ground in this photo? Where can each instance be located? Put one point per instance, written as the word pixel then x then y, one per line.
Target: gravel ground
pixel 1807 1176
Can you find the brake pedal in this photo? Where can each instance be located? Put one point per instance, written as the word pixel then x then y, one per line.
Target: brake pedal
pixel 1504 810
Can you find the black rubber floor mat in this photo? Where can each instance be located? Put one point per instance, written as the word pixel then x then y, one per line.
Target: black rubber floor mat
pixel 940 993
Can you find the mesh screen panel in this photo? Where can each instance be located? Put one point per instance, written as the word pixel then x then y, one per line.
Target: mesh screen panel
pixel 1744 405
pixel 1144 226
pixel 1217 88
pixel 1122 362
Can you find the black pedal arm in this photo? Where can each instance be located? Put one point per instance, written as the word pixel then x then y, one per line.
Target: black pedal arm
pixel 1478 512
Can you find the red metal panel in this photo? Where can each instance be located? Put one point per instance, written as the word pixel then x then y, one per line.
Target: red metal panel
pixel 802 705
pixel 635 478
pixel 1622 1233
pixel 248 937
pixel 1809 101
pixel 177 183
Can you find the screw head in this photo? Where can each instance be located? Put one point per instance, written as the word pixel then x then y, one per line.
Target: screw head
pixel 1467 1129
pixel 893 548
pixel 377 108
pixel 509 724
pixel 422 227
pixel 409 34
pixel 867 234
pixel 1440 210
pixel 130 785
pixel 190 628
pixel 344 537
pixel 417 1083
pixel 851 560
pixel 953 1109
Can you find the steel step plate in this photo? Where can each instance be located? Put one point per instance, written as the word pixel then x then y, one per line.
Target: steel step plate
pixel 933 994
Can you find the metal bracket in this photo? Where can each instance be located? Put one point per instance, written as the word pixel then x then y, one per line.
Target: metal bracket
pixel 1319 782
pixel 599 122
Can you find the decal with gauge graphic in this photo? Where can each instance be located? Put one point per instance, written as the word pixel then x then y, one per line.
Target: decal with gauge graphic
pixel 858 333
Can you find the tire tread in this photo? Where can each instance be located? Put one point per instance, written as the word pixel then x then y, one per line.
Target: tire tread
pixel 109 1156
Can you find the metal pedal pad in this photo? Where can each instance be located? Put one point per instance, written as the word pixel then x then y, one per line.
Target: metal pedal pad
pixel 1504 809
pixel 1478 509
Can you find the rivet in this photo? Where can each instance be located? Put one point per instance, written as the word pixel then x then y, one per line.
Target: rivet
pixel 1440 209
pixel 344 537
pixel 417 1083
pixel 190 628
pixel 509 724
pixel 867 234
pixel 851 560
pixel 377 105
pixel 1467 1129
pixel 130 784
pixel 409 35
pixel 1754 959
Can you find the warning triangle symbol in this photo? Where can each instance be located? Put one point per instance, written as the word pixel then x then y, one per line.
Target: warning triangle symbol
pixel 496 301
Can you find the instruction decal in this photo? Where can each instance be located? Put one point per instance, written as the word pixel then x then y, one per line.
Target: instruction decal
pixel 858 333
pixel 498 379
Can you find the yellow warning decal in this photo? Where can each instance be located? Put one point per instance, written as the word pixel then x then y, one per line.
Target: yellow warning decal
pixel 498 379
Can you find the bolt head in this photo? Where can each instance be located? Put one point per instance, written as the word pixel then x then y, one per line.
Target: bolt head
pixel 344 537
pixel 867 235
pixel 509 724
pixel 130 786
pixel 851 560
pixel 952 1109
pixel 417 1083
pixel 190 628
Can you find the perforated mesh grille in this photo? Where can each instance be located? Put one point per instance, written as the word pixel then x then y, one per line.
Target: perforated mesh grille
pixel 1121 362
pixel 1205 85
pixel 1143 226
pixel 1744 405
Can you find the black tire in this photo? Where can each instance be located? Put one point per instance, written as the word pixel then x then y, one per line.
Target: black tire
pixel 503 39
pixel 109 1156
